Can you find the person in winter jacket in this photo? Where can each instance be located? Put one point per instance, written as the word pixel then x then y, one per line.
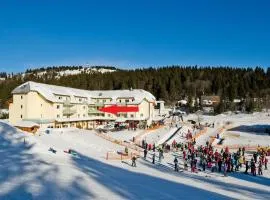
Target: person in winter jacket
pixel 260 168
pixel 134 161
pixel 175 164
pixel 219 164
pixel 243 151
pixel 255 156
pixel 185 165
pixel 225 169
pixel 160 156
pixel 203 163
pixel 253 167
pixel 153 158
pixel 247 167
pixel 184 155
pixel 265 163
pixel 144 153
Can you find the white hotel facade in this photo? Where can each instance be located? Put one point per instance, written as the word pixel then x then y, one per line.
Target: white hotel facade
pixel 56 106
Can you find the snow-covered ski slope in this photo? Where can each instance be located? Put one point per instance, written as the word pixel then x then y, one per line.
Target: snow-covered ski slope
pixel 29 171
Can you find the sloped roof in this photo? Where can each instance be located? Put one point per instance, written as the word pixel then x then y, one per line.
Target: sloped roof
pixel 26 124
pixel 49 92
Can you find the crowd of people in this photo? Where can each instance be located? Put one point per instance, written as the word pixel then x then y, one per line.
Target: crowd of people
pixel 203 157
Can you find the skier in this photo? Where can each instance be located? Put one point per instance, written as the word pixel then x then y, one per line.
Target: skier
pixel 243 151
pixel 145 153
pixel 175 164
pixel 225 169
pixel 184 155
pixel 260 168
pixel 253 167
pixel 265 163
pixel 143 143
pixel 185 164
pixel 153 158
pixel 126 150
pixel 255 155
pixel 193 165
pixel 134 161
pixel 160 156
pixel 219 164
pixel 246 167
pixel 203 163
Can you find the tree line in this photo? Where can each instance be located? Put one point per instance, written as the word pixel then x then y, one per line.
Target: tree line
pixel 169 83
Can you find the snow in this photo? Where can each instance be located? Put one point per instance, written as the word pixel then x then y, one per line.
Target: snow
pixel 4 111
pixel 29 171
pixel 180 136
pixel 27 124
pixel 49 92
pixel 125 135
pixel 167 135
pixel 66 72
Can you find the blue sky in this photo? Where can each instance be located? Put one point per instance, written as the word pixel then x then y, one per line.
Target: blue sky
pixel 134 33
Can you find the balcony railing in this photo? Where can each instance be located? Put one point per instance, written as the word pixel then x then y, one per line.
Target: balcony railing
pixel 69 111
pixel 93 111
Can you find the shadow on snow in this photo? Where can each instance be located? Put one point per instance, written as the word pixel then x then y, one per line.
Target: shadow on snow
pixel 22 172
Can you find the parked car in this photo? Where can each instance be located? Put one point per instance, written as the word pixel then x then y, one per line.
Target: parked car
pixel 105 128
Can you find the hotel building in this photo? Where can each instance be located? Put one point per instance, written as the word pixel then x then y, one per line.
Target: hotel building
pixel 57 106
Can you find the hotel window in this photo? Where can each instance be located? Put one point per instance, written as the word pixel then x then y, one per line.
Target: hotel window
pixel 58 106
pixel 78 115
pixel 141 115
pixel 109 115
pixel 21 97
pixel 40 105
pixel 58 116
pixel 59 97
pixel 131 115
pixel 127 100
pixel 80 99
pixel 83 115
pixel 104 100
pixel 21 116
pixel 84 107
pixel 21 106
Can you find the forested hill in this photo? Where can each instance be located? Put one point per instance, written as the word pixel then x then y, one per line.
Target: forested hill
pixel 167 83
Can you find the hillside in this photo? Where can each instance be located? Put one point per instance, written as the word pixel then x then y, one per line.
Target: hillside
pixel 168 83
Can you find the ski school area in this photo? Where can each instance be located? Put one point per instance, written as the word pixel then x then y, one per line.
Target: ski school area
pixel 207 157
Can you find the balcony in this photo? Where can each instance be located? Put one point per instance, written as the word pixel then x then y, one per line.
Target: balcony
pixel 94 111
pixel 67 104
pixel 69 111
